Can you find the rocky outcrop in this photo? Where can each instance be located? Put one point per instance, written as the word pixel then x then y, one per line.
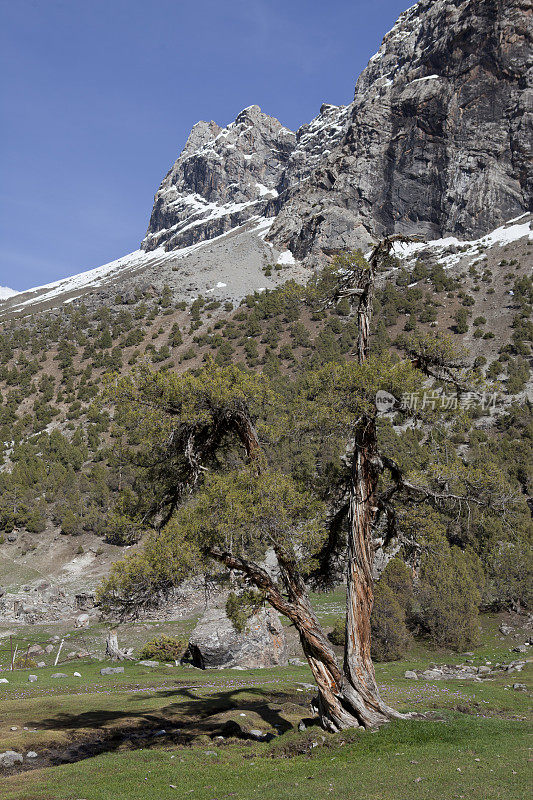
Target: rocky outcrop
pixel 466 671
pixel 439 137
pixel 215 643
pixel 437 142
pixel 223 177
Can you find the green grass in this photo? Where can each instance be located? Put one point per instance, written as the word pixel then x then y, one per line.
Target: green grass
pixel 431 759
pixel 459 757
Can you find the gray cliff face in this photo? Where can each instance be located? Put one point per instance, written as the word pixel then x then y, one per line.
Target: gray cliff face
pixel 436 142
pixel 439 136
pixel 223 177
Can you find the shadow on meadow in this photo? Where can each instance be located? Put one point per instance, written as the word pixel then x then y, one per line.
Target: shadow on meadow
pixel 251 714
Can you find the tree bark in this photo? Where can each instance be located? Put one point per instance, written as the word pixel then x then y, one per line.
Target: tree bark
pixel 358 667
pixel 113 651
pixel 342 703
pixel 359 676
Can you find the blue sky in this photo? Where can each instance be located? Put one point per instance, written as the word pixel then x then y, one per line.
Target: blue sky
pixel 98 97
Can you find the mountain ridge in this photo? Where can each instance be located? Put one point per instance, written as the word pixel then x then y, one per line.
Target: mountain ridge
pixel 434 144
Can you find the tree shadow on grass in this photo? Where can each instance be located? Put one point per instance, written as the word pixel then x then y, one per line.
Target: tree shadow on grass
pixel 182 722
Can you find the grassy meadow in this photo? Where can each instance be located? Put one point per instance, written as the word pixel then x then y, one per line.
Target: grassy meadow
pixel 178 732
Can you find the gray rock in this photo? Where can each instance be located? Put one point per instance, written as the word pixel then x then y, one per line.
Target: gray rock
pixel 520 687
pixel 522 648
pixel 223 177
pixel 215 643
pixel 49 648
pixel 41 664
pixel 418 151
pixel 111 670
pixel 82 621
pixel 505 629
pixel 4 680
pixel 404 124
pixel 59 675
pixel 31 754
pixel 9 758
pixel 32 678
pixel 148 663
pixel 257 734
pixel 432 674
pixel 35 650
pixel 410 674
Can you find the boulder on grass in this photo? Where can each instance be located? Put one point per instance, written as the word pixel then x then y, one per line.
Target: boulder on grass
pixel 215 643
pixel 111 670
pixel 9 758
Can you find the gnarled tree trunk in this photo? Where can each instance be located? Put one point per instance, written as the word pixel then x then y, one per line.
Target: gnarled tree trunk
pixel 113 651
pixel 359 684
pixel 358 667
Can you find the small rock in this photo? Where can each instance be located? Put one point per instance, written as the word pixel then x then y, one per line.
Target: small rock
pixel 4 680
pixel 301 726
pixel 432 674
pixel 82 621
pixel 59 675
pixel 49 648
pixel 505 629
pixel 257 734
pixel 9 758
pixel 14 728
pixel 519 687
pixel 410 674
pixel 77 674
pixel 32 678
pixel 522 648
pixel 31 754
pixel 41 664
pixel 110 670
pixel 148 664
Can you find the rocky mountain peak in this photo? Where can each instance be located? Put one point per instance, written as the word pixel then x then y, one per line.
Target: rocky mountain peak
pixel 223 177
pixel 436 142
pixel 439 135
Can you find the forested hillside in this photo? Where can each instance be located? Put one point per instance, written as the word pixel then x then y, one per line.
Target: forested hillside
pixel 70 471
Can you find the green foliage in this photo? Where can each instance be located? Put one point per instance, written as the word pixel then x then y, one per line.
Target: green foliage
pixel 390 636
pixel 163 648
pixel 449 595
pixel 510 578
pixel 118 528
pixel 461 320
pixel 337 635
pixel 241 606
pixel 393 599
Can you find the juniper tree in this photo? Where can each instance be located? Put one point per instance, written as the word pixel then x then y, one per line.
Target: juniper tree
pixel 213 498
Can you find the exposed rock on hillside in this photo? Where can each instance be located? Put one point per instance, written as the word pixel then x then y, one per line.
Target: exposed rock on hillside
pixel 436 142
pixel 439 135
pixel 215 643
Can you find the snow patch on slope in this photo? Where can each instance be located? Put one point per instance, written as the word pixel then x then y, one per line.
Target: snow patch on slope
pixel 512 231
pixel 6 292
pixel 66 290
